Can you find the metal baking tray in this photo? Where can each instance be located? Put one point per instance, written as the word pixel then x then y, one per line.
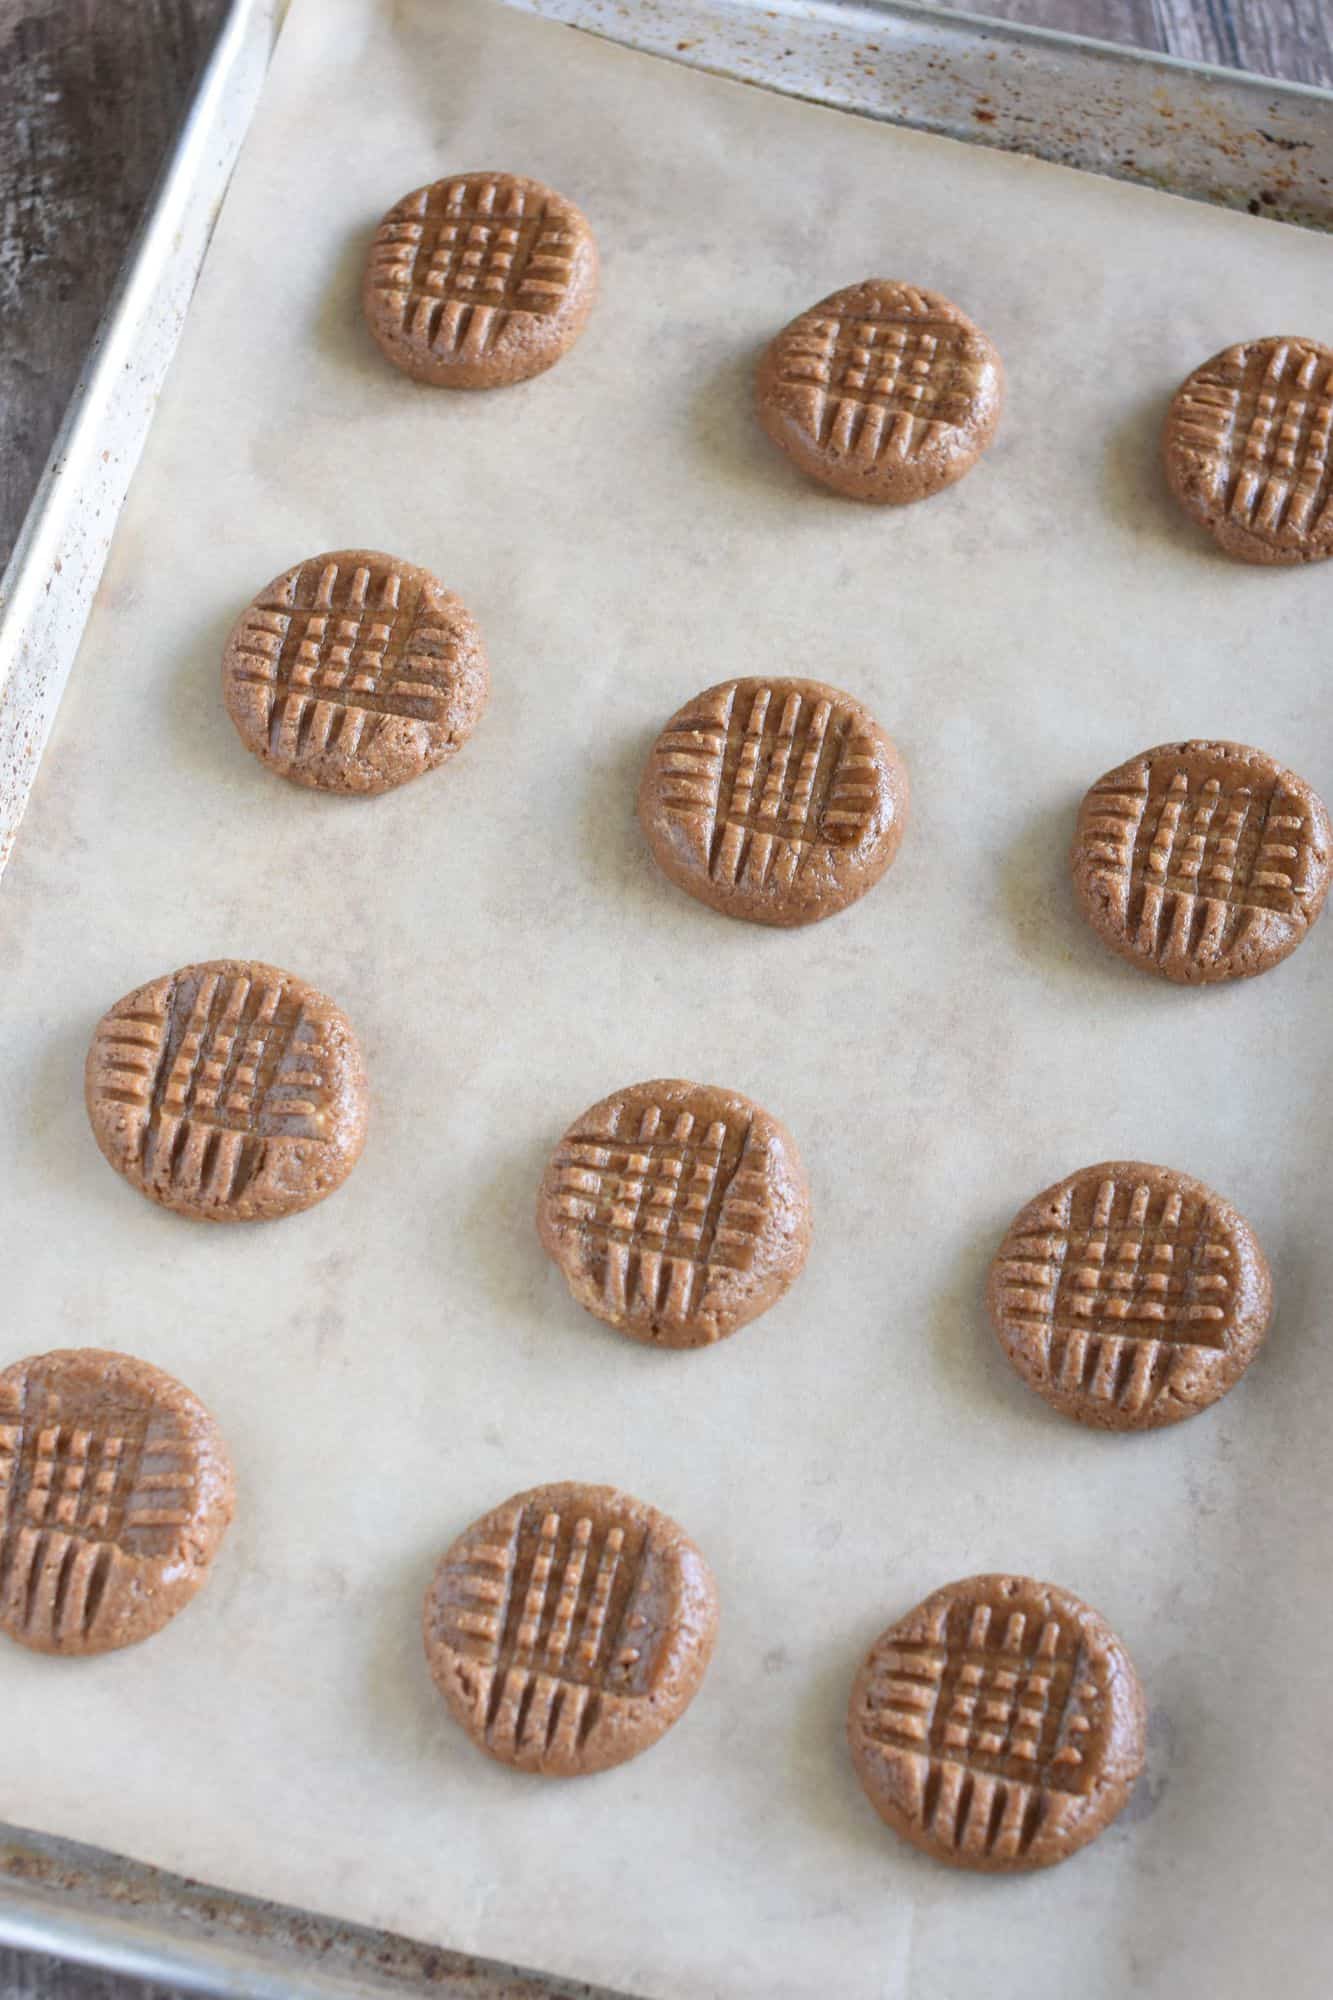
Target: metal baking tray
pixel 1210 134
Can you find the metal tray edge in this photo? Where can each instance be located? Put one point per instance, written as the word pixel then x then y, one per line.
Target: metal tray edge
pixel 120 1916
pixel 57 562
pixel 1027 33
pixel 1216 135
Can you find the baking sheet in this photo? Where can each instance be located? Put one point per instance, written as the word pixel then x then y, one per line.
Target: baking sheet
pixel 397 1360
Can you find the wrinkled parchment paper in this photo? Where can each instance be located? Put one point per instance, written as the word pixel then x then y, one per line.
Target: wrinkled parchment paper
pixel 393 1363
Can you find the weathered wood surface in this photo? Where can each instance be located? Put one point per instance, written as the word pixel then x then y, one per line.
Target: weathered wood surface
pixel 1292 39
pixel 90 94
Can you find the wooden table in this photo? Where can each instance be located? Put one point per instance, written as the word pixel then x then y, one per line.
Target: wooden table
pixel 94 90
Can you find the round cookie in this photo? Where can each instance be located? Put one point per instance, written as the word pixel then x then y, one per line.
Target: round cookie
pixel 999 1726
pixel 115 1493
pixel 479 279
pixel 780 801
pixel 1202 861
pixel 569 1629
pixel 1130 1296
pixel 1246 449
pixel 882 391
pixel 228 1091
pixel 353 672
pixel 676 1211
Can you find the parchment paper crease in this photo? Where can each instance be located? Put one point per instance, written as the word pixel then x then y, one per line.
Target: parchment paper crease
pixel 400 1359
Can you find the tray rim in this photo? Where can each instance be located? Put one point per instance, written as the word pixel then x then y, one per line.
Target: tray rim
pixel 103 1910
pixel 56 564
pixel 1028 33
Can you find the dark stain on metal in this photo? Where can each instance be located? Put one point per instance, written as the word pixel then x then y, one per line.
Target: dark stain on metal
pixel 179 1912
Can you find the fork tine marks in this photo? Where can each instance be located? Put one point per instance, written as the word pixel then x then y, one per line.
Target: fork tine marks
pixel 507 1704
pixel 952 1797
pixel 21 1550
pixel 72 1604
pixel 47 1584
pixel 977 1815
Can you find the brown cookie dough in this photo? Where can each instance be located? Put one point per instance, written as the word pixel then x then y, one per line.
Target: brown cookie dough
pixel 115 1493
pixel 353 672
pixel 781 801
pixel 999 1726
pixel 229 1091
pixel 479 279
pixel 882 391
pixel 1130 1296
pixel 570 1628
pixel 1246 449
pixel 1202 861
pixel 676 1211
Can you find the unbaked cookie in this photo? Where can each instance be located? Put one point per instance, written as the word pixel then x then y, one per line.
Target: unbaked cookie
pixel 676 1211
pixel 999 1726
pixel 882 391
pixel 781 801
pixel 1130 1296
pixel 115 1493
pixel 353 672
pixel 479 279
pixel 1202 861
pixel 569 1629
pixel 1246 449
pixel 229 1091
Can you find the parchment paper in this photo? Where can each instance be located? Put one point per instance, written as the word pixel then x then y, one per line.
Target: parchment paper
pixel 403 1357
